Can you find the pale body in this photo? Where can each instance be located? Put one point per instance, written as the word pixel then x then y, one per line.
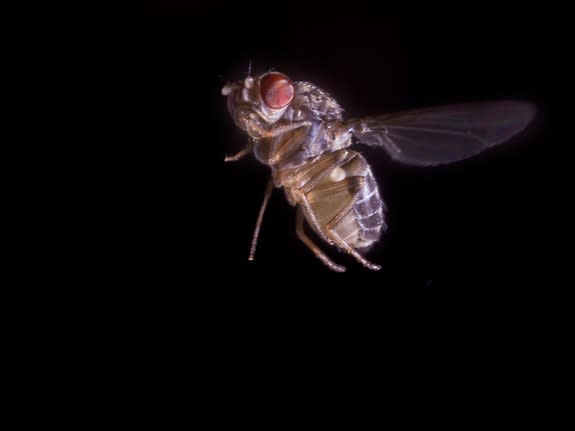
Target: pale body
pixel 298 130
pixel 312 163
pixel 332 186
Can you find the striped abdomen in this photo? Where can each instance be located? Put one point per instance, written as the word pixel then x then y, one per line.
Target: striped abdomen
pixel 364 224
pixel 342 194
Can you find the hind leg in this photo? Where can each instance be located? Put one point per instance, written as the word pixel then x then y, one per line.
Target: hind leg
pixel 349 249
pixel 314 248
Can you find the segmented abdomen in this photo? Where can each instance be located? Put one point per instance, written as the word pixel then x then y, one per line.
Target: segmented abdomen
pixel 364 224
pixel 344 196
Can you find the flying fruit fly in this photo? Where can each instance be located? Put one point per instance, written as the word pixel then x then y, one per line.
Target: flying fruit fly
pixel 298 130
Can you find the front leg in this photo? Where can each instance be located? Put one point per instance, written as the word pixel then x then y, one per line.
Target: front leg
pixel 241 154
pixel 257 131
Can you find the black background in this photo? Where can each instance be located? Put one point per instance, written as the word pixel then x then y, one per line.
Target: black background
pixel 478 244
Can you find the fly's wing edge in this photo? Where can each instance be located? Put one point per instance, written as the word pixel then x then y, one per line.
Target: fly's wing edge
pixel 443 134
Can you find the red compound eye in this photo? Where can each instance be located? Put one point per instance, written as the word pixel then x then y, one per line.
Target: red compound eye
pixel 276 89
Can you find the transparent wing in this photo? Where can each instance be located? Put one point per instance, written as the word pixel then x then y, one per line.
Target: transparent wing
pixel 443 134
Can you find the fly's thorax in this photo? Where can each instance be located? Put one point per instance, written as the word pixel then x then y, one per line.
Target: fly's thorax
pixel 299 146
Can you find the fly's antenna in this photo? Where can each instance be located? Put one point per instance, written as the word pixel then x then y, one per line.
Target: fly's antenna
pixel 249 68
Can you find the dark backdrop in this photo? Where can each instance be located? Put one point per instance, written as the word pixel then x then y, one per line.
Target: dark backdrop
pixel 477 244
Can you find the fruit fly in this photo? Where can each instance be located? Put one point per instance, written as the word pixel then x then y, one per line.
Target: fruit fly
pixel 298 130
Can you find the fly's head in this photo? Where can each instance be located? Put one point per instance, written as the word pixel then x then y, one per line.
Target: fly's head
pixel 257 102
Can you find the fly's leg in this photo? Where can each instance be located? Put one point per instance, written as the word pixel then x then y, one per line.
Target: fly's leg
pixel 349 249
pixel 241 154
pixel 267 194
pixel 313 219
pixel 289 144
pixel 314 248
pixel 259 132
